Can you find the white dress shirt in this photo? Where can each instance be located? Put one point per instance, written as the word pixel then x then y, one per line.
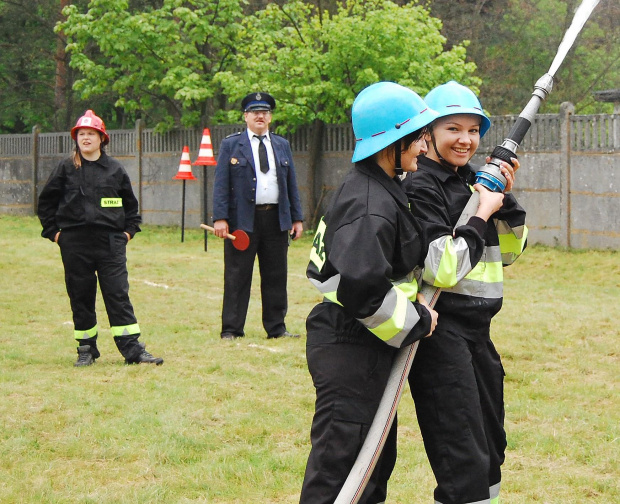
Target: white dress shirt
pixel 266 183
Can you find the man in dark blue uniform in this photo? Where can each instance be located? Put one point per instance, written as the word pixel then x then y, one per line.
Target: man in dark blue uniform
pixel 255 190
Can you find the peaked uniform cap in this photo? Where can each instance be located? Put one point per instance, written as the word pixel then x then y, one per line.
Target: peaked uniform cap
pixel 258 101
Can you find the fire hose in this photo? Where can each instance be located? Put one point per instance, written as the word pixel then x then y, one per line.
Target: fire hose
pixel 490 177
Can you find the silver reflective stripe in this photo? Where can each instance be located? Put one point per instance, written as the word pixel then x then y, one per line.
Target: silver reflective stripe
pixel 397 324
pixel 329 285
pixel 492 253
pixel 504 228
pixel 394 319
pixel 494 493
pixel 413 275
pixel 438 264
pixel 485 280
pixel 475 288
pixel 512 240
pixel 385 311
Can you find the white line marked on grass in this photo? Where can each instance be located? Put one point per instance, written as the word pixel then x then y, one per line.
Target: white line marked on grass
pixel 153 284
pixel 269 349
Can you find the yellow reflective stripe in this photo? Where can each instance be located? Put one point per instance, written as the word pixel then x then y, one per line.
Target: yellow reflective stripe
pixel 448 265
pixel 89 333
pixel 333 297
pixel 510 244
pixel 487 272
pixel 394 324
pixel 410 289
pixel 127 330
pixel 111 202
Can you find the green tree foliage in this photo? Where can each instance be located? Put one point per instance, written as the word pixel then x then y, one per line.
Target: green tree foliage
pixel 315 63
pixel 162 61
pixel 520 48
pixel 155 62
pixel 27 65
pixel 183 62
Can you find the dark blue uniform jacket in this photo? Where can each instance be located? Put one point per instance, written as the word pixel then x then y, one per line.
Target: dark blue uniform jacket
pixel 234 189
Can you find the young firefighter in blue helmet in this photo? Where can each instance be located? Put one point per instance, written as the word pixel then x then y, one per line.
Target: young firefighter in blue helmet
pixel 457 377
pixel 89 209
pixel 365 252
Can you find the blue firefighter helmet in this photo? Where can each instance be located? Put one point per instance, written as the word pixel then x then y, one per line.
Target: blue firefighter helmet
pixel 454 98
pixel 383 113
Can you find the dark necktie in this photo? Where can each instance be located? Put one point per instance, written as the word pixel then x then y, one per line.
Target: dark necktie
pixel 262 154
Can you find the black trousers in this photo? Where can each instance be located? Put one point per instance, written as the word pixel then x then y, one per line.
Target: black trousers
pixel 349 379
pixel 458 389
pixel 270 244
pixel 88 255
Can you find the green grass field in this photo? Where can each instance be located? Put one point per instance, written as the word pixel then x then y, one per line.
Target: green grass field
pixel 228 422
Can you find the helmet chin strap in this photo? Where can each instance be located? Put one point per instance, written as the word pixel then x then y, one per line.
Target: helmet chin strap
pixel 398 169
pixel 442 161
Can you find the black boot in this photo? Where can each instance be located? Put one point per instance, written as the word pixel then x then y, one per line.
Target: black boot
pixel 134 351
pixel 85 357
pixel 146 358
pixel 92 343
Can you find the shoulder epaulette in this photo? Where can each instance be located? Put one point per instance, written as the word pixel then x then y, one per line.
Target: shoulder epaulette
pixel 234 134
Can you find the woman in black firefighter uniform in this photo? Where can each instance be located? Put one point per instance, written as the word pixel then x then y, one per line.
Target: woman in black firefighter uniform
pixel 88 207
pixel 364 255
pixel 457 377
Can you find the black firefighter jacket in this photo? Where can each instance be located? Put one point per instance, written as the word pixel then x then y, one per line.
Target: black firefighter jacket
pixel 97 194
pixel 363 259
pixel 466 262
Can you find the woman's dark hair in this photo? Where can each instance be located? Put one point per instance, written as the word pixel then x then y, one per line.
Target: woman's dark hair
pixel 405 142
pixel 77 160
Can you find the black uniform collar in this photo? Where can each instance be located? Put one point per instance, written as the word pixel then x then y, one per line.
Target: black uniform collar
pixel 465 172
pixel 104 160
pixel 374 171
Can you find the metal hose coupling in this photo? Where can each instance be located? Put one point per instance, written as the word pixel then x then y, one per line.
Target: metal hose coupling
pixel 490 175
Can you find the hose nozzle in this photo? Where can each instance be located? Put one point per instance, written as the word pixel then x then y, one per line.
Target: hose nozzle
pixel 543 86
pixel 490 175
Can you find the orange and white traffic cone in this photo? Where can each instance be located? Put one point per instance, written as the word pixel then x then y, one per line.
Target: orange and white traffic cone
pixel 185 167
pixel 205 154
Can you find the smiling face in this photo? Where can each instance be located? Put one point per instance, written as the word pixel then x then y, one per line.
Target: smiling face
pixel 456 139
pixel 89 143
pixel 409 157
pixel 258 121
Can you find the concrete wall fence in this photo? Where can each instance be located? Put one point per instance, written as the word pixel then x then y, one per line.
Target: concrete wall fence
pixel 569 181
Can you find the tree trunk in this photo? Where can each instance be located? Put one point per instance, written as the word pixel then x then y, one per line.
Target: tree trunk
pixel 60 84
pixel 314 162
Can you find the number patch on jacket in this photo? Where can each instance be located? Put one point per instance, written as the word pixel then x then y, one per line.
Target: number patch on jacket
pixel 317 253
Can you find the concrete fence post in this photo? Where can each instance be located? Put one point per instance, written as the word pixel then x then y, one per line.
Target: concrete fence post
pixel 35 168
pixel 566 110
pixel 138 128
